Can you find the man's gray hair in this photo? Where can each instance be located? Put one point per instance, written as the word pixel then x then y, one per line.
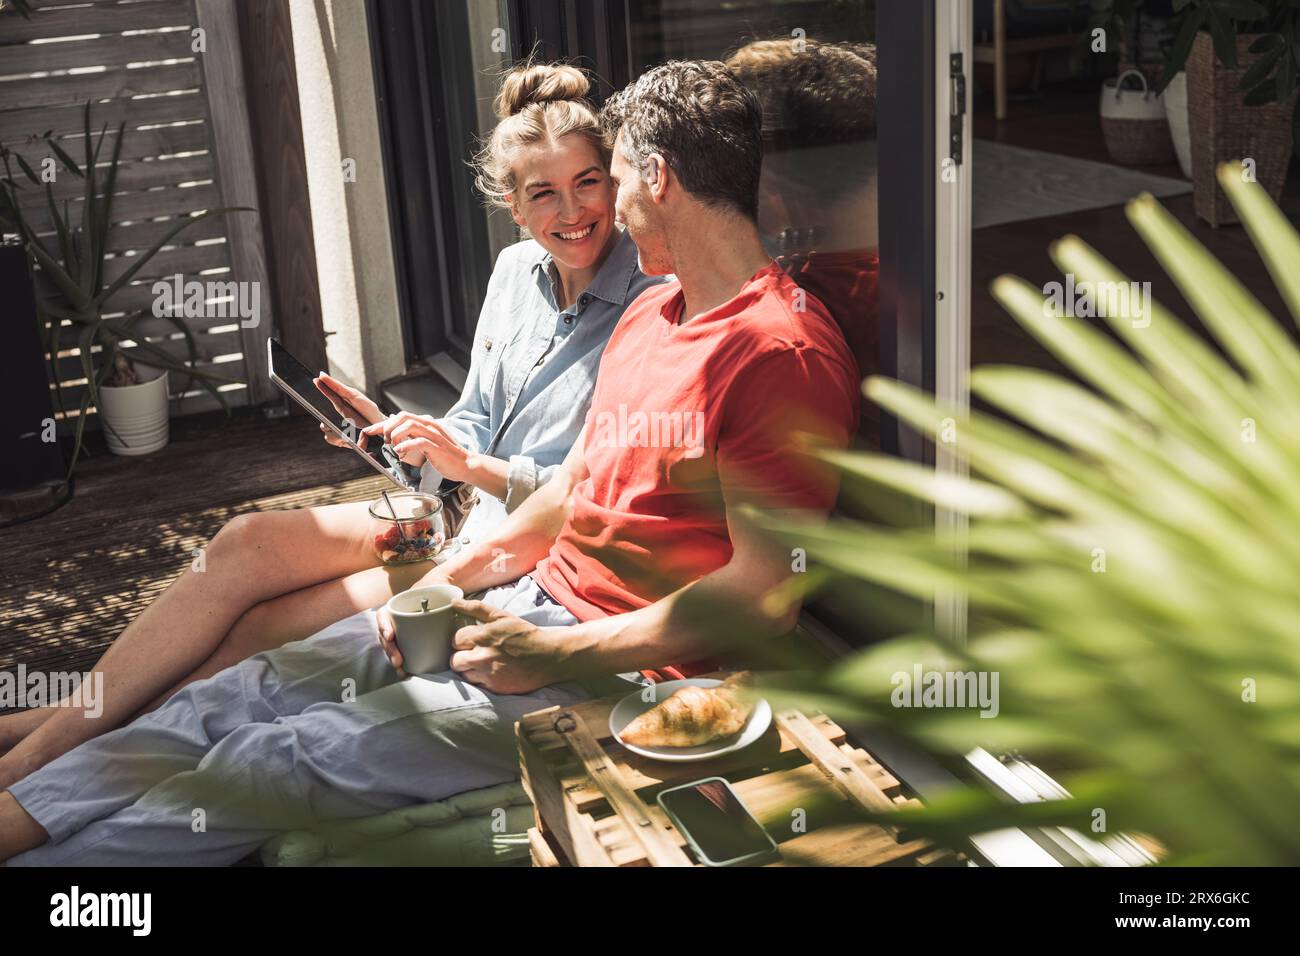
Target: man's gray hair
pixel 703 121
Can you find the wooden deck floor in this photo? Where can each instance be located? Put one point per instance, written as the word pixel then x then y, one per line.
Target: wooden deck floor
pixel 72 580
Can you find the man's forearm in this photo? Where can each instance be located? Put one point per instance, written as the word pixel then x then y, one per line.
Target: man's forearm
pixel 715 614
pixel 515 547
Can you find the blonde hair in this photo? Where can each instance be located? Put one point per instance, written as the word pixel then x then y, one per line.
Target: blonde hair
pixel 537 102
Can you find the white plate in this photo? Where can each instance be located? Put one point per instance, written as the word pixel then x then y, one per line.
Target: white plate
pixel 632 707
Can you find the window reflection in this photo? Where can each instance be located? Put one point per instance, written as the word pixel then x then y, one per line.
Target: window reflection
pixel 817 196
pixel 813 68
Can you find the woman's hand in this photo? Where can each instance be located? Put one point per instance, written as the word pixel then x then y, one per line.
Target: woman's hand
pixel 349 403
pixel 388 640
pixel 420 438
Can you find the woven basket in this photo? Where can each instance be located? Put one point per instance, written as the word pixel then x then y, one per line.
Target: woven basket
pixel 1226 130
pixel 1134 124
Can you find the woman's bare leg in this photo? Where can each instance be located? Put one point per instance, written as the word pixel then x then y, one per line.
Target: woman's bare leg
pixel 254 558
pixel 299 615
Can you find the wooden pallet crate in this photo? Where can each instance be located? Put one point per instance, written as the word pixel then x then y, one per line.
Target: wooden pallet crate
pixel 594 800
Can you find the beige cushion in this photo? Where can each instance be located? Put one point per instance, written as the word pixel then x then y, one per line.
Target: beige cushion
pixel 485 827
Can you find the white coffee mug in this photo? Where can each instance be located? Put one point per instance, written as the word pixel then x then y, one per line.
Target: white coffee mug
pixel 424 636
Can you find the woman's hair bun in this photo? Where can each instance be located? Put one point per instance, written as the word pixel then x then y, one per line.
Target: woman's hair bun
pixel 530 83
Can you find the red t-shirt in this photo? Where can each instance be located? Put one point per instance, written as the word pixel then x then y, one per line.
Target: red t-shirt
pixel 685 415
pixel 847 283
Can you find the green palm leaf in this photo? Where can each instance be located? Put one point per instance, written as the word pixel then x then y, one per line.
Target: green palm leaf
pixel 1130 563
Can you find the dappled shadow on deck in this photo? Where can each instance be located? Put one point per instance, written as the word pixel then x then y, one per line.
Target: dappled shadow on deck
pixel 72 580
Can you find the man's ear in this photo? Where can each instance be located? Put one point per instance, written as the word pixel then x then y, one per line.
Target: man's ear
pixel 657 175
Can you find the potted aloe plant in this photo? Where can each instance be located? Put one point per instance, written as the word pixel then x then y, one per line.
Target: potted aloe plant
pixel 129 384
pixel 1130 563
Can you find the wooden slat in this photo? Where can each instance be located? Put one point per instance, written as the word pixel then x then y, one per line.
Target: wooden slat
pixel 187 260
pixel 74 90
pixel 113 4
pixel 21 124
pixel 70 368
pixel 659 849
pixel 137 298
pixel 131 177
pixel 49 22
pixel 540 851
pixel 843 773
pixel 615 836
pixel 573 831
pixel 159 332
pixel 134 207
pixel 142 235
pixel 194 404
pixel 208 343
pixel 103 51
pixel 771 796
pixel 136 143
pixel 850 845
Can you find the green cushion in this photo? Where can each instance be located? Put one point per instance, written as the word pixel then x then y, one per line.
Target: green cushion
pixel 485 827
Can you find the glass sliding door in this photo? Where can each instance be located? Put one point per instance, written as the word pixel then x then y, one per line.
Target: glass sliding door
pixel 813 66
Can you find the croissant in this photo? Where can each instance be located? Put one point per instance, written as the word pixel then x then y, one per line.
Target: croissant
pixel 693 716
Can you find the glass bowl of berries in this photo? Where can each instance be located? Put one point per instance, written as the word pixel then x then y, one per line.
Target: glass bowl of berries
pixel 406 527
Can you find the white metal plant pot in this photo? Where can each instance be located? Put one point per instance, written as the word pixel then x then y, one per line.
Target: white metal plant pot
pixel 135 416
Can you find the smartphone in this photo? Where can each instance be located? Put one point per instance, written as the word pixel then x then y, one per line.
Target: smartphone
pixel 294 379
pixel 717 826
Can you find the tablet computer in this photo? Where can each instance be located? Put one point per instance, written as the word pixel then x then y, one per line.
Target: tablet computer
pixel 333 411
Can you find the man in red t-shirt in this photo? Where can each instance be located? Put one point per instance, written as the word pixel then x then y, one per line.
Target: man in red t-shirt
pixel 700 391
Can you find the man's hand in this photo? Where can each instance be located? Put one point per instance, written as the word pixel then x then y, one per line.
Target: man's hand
pixel 420 438
pixel 503 653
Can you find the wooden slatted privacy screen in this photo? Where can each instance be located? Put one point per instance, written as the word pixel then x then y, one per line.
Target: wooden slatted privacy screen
pixel 185 149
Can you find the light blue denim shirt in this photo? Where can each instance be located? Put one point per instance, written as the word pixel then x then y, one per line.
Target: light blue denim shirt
pixel 533 367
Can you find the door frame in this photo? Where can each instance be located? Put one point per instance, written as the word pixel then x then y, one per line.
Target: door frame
pixel 952 178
